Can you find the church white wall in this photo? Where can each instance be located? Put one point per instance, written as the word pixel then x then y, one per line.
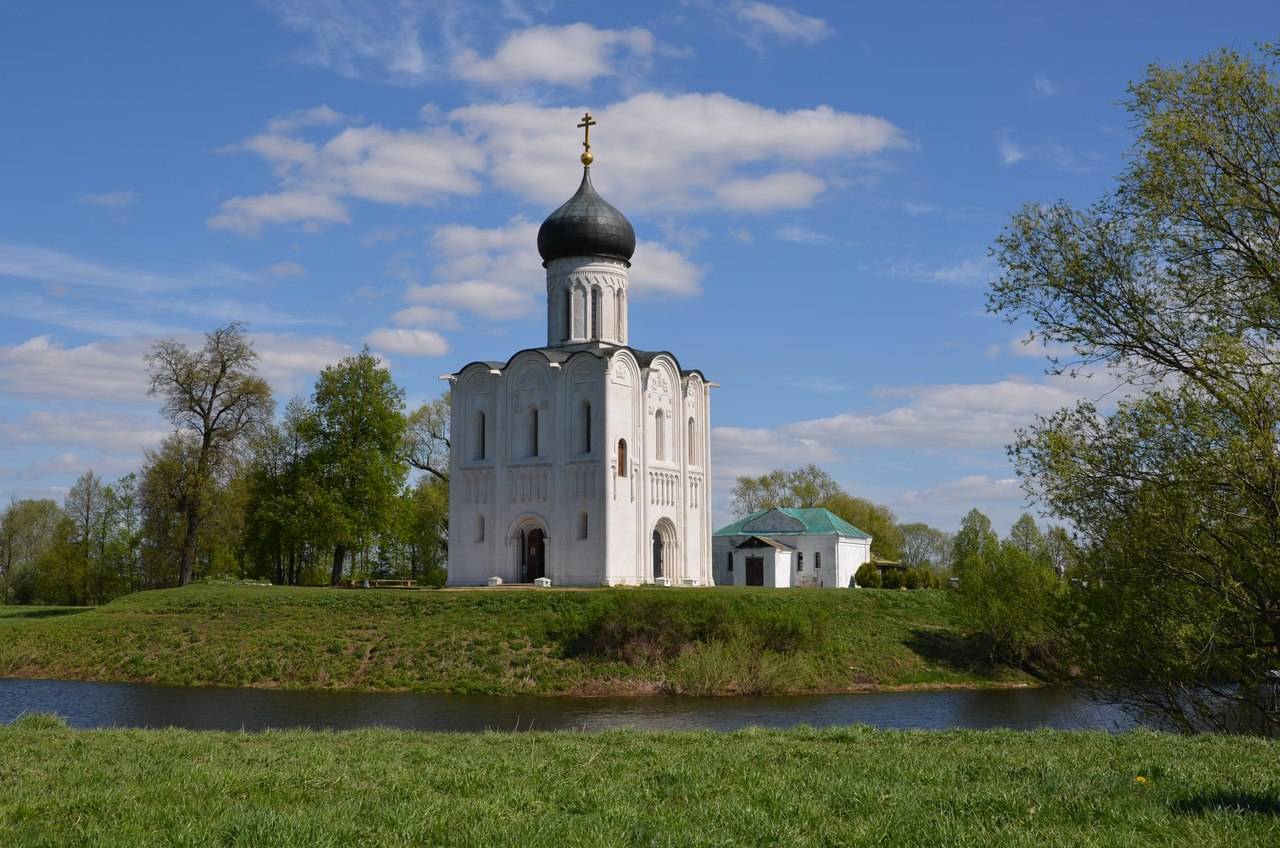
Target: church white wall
pixel 853 553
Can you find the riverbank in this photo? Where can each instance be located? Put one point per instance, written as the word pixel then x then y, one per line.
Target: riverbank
pixel 801 787
pixel 585 642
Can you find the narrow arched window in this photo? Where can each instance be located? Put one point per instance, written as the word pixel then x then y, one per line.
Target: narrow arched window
pixel 480 436
pixel 595 312
pixel 622 457
pixel 693 442
pixel 817 559
pixel 582 525
pixel 533 431
pixel 480 528
pixel 659 435
pixel 568 315
pixel 618 313
pixel 586 427
pixel 579 313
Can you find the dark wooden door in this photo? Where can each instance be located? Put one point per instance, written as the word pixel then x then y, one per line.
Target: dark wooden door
pixel 535 555
pixel 755 571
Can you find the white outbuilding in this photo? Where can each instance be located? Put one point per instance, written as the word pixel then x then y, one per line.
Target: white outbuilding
pixel 789 548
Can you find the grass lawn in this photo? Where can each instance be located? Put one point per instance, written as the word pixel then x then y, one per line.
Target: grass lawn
pixel 793 788
pixel 614 641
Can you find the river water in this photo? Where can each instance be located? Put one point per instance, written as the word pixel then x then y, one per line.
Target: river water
pixel 95 705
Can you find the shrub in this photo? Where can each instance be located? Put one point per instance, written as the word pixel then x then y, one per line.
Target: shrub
pixel 868 576
pixel 892 579
pixel 655 626
pixel 433 577
pixel 913 579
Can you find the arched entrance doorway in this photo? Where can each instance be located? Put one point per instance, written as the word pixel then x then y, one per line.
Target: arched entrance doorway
pixel 533 554
pixel 657 554
pixel 663 555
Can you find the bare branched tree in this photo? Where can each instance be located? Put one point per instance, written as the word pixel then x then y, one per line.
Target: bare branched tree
pixel 215 394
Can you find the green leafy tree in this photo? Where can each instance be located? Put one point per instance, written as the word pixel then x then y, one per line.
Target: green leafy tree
pixel 1025 535
pixel 358 437
pixel 875 519
pixel 1171 281
pixel 427 438
pixel 975 538
pixel 1008 598
pixel 925 547
pixel 28 529
pixel 215 395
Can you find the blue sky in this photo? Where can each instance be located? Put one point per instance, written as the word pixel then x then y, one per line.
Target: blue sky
pixel 815 187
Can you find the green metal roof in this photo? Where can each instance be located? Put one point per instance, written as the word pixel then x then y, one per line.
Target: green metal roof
pixel 816 521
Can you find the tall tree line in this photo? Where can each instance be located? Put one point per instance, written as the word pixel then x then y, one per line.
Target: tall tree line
pixel 325 493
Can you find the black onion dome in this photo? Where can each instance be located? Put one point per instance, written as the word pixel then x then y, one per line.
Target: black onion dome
pixel 586 225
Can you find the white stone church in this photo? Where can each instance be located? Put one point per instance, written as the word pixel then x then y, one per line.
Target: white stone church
pixel 586 461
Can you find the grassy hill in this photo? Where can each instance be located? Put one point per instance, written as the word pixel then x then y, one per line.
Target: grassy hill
pixel 619 641
pixel 796 788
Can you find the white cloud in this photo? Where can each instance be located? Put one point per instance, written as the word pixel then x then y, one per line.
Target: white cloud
pixel 408 342
pixel 743 235
pixel 248 215
pixel 315 116
pixel 959 272
pixel 943 416
pixel 1044 86
pixel 782 190
pixel 34 262
pixel 489 300
pixel 659 270
pixel 89 428
pixel 41 367
pixel 570 55
pixel 111 199
pixel 422 316
pixel 966 491
pixel 781 21
pixel 286 270
pixel 739 451
pixel 686 152
pixel 675 151
pixel 115 370
pixel 797 234
pixel 492 271
pixel 403 167
pixel 1010 153
pixel 382 39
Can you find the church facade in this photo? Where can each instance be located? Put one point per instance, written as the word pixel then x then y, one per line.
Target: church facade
pixel 585 461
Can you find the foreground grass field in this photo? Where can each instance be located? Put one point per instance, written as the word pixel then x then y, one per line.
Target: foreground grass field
pixel 697 641
pixel 793 788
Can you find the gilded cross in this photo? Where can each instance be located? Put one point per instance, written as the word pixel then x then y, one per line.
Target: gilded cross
pixel 587 123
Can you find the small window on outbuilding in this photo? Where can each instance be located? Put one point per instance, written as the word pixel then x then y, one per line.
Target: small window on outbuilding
pixel 799 561
pixel 729 561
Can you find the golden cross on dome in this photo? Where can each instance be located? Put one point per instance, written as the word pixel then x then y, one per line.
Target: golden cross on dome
pixel 587 123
